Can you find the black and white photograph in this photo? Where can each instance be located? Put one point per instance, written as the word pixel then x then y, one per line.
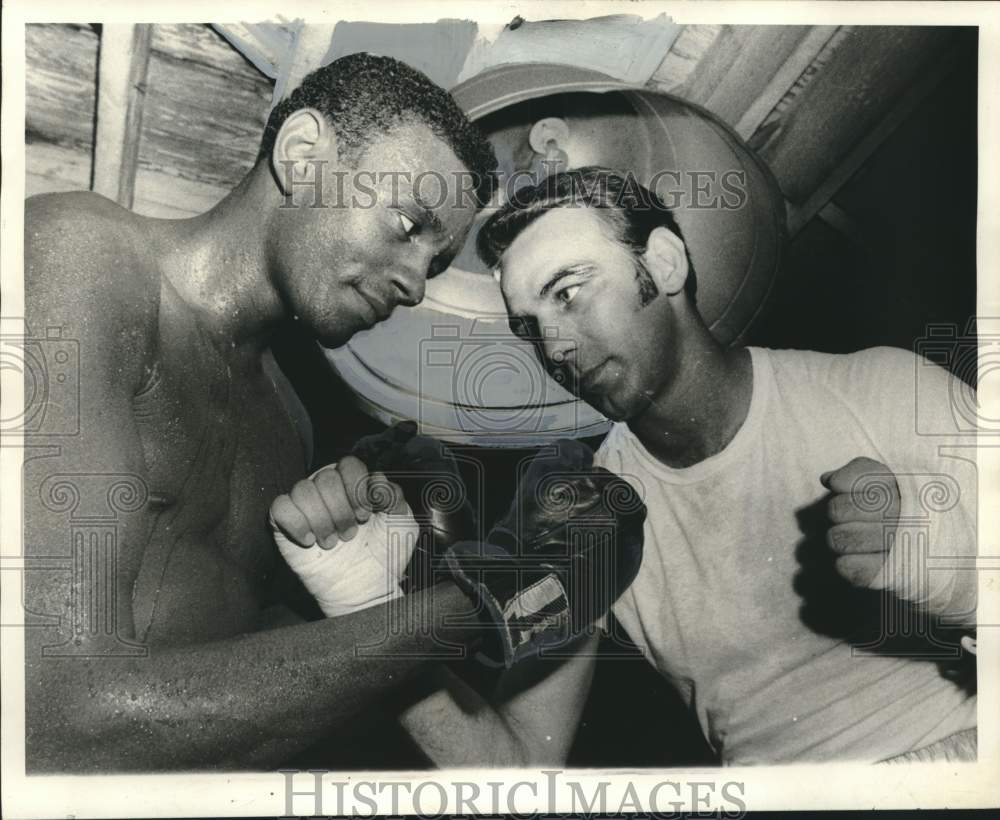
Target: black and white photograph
pixel 470 409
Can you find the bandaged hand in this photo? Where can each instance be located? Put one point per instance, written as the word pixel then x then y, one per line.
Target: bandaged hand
pixel 433 488
pixel 348 534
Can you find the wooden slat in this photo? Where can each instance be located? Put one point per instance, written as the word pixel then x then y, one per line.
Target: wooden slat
pixel 205 109
pixel 788 99
pixel 198 44
pixel 817 202
pixel 202 120
pixel 784 77
pixel 124 55
pixel 60 83
pixel 311 45
pixel 841 221
pixel 169 197
pixel 739 66
pixel 262 44
pixel 683 57
pixel 51 168
pixel 863 79
pixel 143 35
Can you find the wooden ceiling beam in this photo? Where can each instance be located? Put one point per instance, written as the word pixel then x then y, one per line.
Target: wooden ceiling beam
pixel 782 78
pixel 845 106
pixel 683 56
pixel 822 196
pixel 739 65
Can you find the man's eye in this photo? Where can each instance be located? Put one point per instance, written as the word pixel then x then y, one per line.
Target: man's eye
pixel 407 223
pixel 566 295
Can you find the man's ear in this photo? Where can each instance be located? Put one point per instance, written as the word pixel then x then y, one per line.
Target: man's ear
pixel 305 139
pixel 666 260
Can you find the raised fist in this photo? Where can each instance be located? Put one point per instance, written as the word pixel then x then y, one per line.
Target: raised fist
pixel 863 509
pixel 348 535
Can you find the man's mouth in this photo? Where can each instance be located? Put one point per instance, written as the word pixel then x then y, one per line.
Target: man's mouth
pixel 380 310
pixel 592 377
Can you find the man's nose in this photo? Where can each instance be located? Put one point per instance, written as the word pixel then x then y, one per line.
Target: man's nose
pixel 410 281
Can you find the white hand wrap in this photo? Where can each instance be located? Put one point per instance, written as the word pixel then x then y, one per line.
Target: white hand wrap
pixel 932 537
pixel 359 573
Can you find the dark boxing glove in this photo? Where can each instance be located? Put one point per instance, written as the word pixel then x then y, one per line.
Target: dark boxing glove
pixel 569 545
pixel 433 488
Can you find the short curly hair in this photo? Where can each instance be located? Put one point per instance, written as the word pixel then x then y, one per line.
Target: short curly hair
pixel 629 209
pixel 364 96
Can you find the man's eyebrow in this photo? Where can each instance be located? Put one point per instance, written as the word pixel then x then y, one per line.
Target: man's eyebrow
pixel 559 275
pixel 430 218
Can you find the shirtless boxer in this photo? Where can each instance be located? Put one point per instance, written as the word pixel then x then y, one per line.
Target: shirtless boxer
pixel 734 450
pixel 181 403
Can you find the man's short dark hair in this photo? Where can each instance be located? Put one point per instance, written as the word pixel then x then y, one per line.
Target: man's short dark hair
pixel 628 208
pixel 364 97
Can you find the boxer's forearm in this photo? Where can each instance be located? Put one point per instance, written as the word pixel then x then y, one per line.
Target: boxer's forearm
pixel 530 720
pixel 456 727
pixel 246 701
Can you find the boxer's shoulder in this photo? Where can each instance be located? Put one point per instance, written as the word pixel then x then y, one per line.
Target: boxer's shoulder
pixel 79 222
pixel 80 246
pixel 872 364
pixel 89 270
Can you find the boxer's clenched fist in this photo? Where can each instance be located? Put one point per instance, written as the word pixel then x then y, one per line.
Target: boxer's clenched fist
pixel 329 506
pixel 433 489
pixel 863 509
pixel 348 534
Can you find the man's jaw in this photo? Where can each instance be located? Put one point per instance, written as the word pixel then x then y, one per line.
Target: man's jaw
pixel 599 386
pixel 589 379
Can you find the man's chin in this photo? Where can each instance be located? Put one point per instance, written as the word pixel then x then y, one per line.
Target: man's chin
pixel 340 335
pixel 611 407
pixel 615 413
pixel 336 338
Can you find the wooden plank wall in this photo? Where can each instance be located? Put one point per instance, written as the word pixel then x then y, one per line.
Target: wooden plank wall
pixel 814 101
pixel 204 111
pixel 60 116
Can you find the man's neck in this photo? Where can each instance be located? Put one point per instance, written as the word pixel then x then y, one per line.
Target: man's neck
pixel 702 409
pixel 217 264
